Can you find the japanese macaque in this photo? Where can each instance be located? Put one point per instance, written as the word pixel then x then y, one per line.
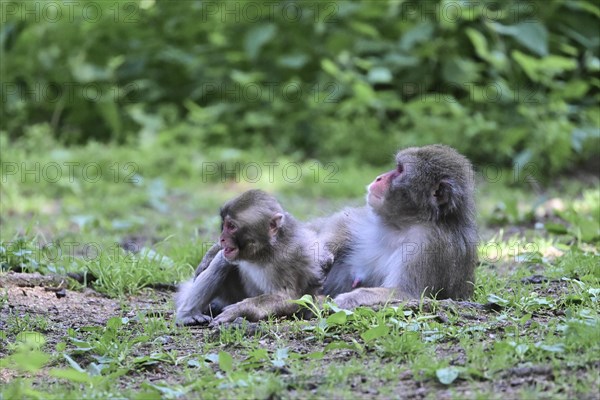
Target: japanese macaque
pixel 416 236
pixel 264 258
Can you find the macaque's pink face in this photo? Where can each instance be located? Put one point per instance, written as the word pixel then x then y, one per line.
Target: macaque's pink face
pixel 228 244
pixel 378 189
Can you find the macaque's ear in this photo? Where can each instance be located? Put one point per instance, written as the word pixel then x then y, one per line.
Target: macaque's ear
pixel 275 224
pixel 443 195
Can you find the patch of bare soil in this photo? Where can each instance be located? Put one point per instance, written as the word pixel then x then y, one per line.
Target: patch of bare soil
pixel 47 296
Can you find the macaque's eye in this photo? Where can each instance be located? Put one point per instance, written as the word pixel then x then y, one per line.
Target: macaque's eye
pixel 230 226
pixel 400 168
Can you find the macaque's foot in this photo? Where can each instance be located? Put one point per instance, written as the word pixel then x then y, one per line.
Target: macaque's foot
pixel 347 301
pixel 195 319
pixel 229 314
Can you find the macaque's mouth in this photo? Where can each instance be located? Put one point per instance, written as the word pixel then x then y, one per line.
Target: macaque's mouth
pixel 230 252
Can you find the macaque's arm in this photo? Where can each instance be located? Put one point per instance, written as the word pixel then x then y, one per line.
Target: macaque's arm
pixel 207 259
pixel 194 295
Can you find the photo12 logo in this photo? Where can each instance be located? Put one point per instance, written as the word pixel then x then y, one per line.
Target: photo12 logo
pixel 455 11
pixel 71 11
pixel 269 11
pixel 253 172
pixel 53 172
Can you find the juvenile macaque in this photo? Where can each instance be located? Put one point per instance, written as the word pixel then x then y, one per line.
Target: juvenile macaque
pixel 264 258
pixel 416 236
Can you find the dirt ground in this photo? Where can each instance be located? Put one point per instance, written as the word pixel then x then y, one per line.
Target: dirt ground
pixel 35 294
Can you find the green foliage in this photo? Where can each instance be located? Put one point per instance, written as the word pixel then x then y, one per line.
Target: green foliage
pixel 122 272
pixel 505 82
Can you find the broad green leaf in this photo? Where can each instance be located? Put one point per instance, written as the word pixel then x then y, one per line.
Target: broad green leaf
pixel 574 89
pixel 363 91
pixel 293 61
pixel 379 75
pixel 447 375
pixel 479 43
pixel 74 364
pixel 30 361
pixel 82 345
pixel 589 229
pixel 167 391
pixel 521 349
pixel 256 38
pixel 71 375
pixel 258 354
pixel 114 323
pixel 592 63
pixel 555 228
pixel 556 64
pixel 457 71
pixel 528 64
pixel 589 6
pixel 531 34
pixel 337 318
pixel 374 333
pixel 534 36
pixel 282 353
pixel 418 34
pixel 85 72
pixel 553 348
pixel 544 69
pixel 580 136
pixel 492 298
pixel 32 339
pixel 111 115
pixel 330 67
pixel 225 361
pixel 316 355
pixel 339 345
pixel 401 60
pixel 280 356
pixel 364 29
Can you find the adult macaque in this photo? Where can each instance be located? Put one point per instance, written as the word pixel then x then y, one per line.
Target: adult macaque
pixel 416 236
pixel 264 258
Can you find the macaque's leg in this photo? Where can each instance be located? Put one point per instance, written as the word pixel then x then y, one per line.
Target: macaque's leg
pixel 258 308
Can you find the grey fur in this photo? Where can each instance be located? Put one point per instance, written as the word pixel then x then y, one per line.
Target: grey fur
pixel 267 274
pixel 421 241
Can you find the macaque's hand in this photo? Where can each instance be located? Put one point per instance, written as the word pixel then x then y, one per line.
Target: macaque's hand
pixel 229 314
pixel 193 319
pixel 326 260
pixel 246 309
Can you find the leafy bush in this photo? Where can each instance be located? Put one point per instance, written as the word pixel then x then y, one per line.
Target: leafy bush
pixel 505 82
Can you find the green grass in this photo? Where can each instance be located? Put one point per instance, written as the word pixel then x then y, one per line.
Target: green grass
pixel 542 338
